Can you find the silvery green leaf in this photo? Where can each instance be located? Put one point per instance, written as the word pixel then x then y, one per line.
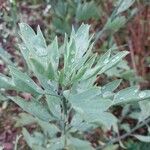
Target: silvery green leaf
pixel 87 10
pixel 142 138
pixel 104 119
pixel 131 94
pixel 124 5
pixel 126 95
pixel 33 108
pixel 53 53
pixel 92 106
pixel 49 130
pixel 31 140
pixel 56 143
pixel 104 58
pixel 41 37
pixel 82 40
pixel 69 57
pixel 78 144
pixel 23 82
pixel 24 119
pixel 61 9
pixel 6 82
pixel 88 64
pixel 100 68
pixel 111 86
pixel 78 124
pixel 113 61
pixel 145 111
pixel 35 46
pixel 27 137
pixel 84 61
pixel 60 25
pixel 54 105
pixel 82 95
pixel 81 86
pixel 119 70
pixel 38 68
pixel 50 72
pixel 26 31
pixel 115 24
pixel 5 56
pixel 25 53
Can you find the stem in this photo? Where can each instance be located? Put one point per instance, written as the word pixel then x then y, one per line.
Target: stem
pixel 124 135
pixel 13 10
pixel 132 57
pixel 16 141
pixel 65 113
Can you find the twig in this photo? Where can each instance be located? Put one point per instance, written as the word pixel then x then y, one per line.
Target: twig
pixel 124 135
pixel 132 57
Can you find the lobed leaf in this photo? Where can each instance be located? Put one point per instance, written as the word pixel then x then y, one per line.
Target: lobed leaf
pixel 33 108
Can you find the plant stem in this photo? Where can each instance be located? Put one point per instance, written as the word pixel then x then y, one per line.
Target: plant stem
pixel 13 9
pixel 124 135
pixel 65 110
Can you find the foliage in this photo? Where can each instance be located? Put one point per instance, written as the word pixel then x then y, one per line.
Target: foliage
pixel 62 79
pixel 65 99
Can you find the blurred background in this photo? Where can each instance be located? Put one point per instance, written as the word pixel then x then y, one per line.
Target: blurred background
pixel 127 30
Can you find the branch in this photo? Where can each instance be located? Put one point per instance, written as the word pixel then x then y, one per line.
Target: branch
pixel 124 135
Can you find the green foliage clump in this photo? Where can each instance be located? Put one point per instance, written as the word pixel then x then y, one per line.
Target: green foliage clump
pixel 65 99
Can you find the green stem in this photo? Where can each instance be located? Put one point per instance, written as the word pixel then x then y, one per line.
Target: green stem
pixel 13 6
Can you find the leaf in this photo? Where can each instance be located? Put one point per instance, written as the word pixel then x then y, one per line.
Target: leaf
pixel 54 105
pixel 78 144
pixel 115 24
pixel 104 119
pixel 5 56
pixel 113 61
pixel 131 94
pixel 87 10
pixel 61 9
pixel 61 26
pixel 37 139
pixel 82 95
pixel 23 82
pixel 78 124
pixel 145 111
pixel 41 37
pixel 56 143
pixel 111 86
pixel 3 98
pixel 27 137
pixel 142 138
pixel 82 40
pixel 48 129
pixel 92 107
pixel 112 147
pixel 33 108
pixel 6 82
pixel 26 31
pixel 37 66
pixel 24 119
pixel 126 95
pixel 100 68
pixel 124 5
pixel 53 53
